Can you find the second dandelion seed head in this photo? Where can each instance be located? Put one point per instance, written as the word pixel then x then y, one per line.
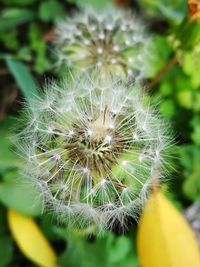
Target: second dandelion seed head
pixel 111 41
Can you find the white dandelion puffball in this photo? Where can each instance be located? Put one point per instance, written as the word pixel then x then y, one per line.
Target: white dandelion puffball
pixel 94 151
pixel 111 41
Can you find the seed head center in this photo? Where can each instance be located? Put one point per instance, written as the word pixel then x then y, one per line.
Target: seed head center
pixel 96 147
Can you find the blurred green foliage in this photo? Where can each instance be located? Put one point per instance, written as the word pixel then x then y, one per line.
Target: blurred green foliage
pixel 107 251
pixel 26 35
pixel 172 11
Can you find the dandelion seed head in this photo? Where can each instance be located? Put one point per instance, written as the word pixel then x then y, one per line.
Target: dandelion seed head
pixel 95 162
pixel 89 39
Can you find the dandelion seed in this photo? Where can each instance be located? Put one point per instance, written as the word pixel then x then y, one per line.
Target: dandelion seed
pixel 108 138
pixel 99 64
pixel 116 48
pixel 99 50
pixel 101 36
pixel 109 27
pixel 113 61
pixel 124 162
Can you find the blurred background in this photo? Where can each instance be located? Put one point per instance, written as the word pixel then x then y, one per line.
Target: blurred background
pixel 26 61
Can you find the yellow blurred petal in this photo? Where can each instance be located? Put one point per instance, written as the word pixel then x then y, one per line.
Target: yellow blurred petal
pixel 31 240
pixel 164 237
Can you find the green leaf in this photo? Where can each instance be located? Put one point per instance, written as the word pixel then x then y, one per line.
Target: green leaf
pixel 23 78
pixel 166 89
pixel 120 248
pixel 8 159
pixel 188 34
pixel 18 2
pixel 81 253
pixel 39 46
pixel 191 187
pixel 189 158
pixel 195 123
pixel 158 54
pixel 196 134
pixel 122 251
pixel 185 99
pixel 172 10
pixel 13 17
pixel 6 251
pixel 191 63
pixel 10 39
pixel 107 251
pixel 18 193
pixel 3 220
pixel 51 10
pixel 95 3
pixel 167 108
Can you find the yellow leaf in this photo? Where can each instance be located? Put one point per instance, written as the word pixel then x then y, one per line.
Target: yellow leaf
pixel 31 240
pixel 164 237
